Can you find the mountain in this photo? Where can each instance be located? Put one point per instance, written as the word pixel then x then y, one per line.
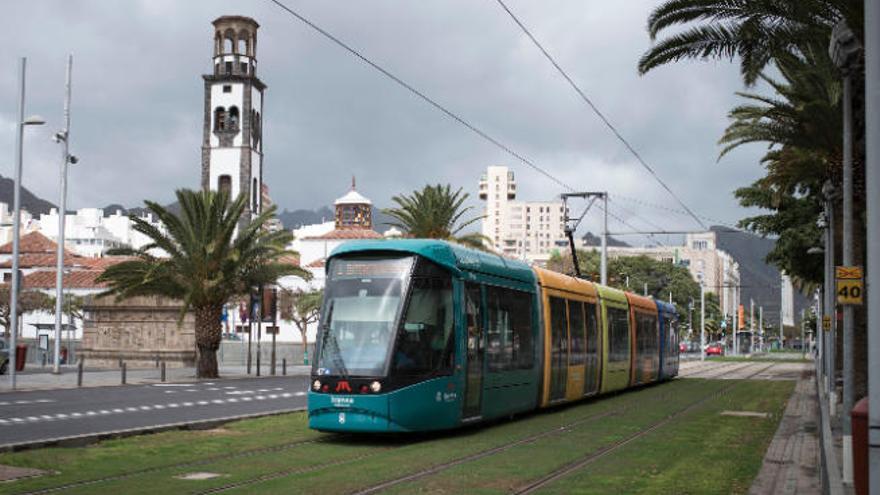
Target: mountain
pixel 759 279
pixel 593 240
pixel 29 201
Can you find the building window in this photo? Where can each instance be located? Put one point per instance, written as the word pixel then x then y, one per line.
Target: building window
pixel 228 67
pixel 227 88
pixel 244 68
pixel 224 184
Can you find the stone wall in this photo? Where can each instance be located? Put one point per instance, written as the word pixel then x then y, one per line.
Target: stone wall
pixel 138 330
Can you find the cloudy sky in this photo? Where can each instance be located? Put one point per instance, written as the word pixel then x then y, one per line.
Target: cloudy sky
pixel 138 102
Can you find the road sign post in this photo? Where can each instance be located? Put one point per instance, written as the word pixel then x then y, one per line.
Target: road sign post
pixel 849 285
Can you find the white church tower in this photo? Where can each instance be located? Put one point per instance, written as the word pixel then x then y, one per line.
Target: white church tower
pixel 232 147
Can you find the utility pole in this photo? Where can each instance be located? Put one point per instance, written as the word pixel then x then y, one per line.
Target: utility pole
pixel 830 306
pixel 603 260
pixel 761 327
pixel 736 320
pixel 702 320
pixel 62 137
pixel 872 194
pixel 844 50
pixel 752 325
pixel 16 219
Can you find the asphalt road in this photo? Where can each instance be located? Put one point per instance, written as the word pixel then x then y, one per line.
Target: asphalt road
pixel 48 415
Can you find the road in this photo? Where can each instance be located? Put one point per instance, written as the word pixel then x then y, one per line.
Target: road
pixel 50 415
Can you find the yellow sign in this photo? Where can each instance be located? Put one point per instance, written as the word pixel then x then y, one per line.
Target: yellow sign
pixel 826 323
pixel 850 287
pixel 848 272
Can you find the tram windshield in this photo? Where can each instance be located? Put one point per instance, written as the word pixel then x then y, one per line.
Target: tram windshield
pixel 362 302
pixel 392 314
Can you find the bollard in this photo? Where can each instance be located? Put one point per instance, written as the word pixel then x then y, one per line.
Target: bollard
pixel 123 372
pixel 157 361
pixel 79 373
pixel 284 367
pixel 258 362
pixel 163 371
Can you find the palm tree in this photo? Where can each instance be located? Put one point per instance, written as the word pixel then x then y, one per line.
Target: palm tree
pixel 756 31
pixel 436 212
pixel 197 258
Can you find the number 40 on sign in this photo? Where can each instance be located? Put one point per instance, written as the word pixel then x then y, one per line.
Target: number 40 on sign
pixel 850 285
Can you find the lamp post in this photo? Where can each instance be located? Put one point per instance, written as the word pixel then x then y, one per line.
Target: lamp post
pixel 16 216
pixel 62 137
pixel 702 319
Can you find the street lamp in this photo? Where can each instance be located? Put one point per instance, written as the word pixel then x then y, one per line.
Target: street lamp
pixel 16 218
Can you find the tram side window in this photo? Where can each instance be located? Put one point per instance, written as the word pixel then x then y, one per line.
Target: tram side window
pixel 619 338
pixel 576 326
pixel 592 332
pixel 510 343
pixel 426 341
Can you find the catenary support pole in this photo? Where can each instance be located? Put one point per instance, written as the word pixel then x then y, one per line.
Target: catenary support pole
pixel 603 262
pixel 64 138
pixel 735 321
pixel 702 321
pixel 872 185
pixel 752 325
pixel 830 306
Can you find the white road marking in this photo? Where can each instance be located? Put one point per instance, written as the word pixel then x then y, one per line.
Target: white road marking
pixel 247 399
pixel 61 416
pixel 3 421
pixel 230 388
pixel 170 392
pixel 118 410
pixel 187 404
pixel 213 389
pixel 172 384
pixel 300 394
pixel 158 406
pixel 218 401
pixel 146 408
pixel 76 414
pixel 203 403
pixel 232 400
pixel 104 411
pixel 173 404
pixel 131 409
pixel 17 420
pixel 191 390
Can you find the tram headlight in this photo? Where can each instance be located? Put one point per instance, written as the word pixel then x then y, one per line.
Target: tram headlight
pixel 376 387
pixel 316 386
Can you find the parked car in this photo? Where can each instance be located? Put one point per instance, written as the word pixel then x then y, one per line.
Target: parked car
pixel 683 347
pixel 4 357
pixel 715 349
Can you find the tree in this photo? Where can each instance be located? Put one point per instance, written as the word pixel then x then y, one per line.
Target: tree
pixel 756 31
pixel 435 212
pixel 28 301
pixel 303 309
pixel 197 258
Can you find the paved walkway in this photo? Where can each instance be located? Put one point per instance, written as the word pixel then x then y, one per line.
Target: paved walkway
pixel 43 379
pixel 793 463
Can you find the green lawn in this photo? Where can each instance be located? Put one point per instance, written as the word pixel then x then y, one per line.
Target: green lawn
pixel 701 451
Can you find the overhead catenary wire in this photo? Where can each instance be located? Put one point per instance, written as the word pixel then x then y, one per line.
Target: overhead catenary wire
pixel 601 116
pixel 449 113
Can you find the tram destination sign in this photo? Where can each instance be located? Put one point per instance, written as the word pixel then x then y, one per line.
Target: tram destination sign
pixel 850 287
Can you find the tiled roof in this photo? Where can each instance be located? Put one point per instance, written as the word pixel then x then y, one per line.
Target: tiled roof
pixel 346 234
pixel 317 263
pixel 290 259
pixel 33 242
pixel 79 279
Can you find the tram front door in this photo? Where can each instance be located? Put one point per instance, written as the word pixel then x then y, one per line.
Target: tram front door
pixel 475 352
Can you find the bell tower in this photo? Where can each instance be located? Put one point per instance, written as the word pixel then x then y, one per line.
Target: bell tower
pixel 232 144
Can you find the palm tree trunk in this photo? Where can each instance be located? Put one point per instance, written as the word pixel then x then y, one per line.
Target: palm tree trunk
pixel 208 333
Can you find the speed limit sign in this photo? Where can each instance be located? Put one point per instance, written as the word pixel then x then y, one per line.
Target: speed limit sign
pixel 850 286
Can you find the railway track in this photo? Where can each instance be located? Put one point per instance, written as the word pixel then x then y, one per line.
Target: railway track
pixel 604 451
pixel 428 471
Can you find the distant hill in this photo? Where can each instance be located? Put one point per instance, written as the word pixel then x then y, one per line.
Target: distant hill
pixel 593 240
pixel 759 279
pixel 29 201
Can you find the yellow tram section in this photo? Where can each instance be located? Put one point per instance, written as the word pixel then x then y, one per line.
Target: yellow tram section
pixel 571 335
pixel 645 343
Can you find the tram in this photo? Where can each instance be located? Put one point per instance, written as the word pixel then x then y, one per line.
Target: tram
pixel 420 335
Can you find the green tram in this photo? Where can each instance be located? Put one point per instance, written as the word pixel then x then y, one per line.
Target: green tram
pixel 421 335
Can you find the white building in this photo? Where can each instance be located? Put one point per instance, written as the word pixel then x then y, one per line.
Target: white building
pixel 700 255
pixel 28 223
pixel 524 229
pixel 87 232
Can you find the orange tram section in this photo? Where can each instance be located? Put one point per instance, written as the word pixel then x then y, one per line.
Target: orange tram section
pixel 597 339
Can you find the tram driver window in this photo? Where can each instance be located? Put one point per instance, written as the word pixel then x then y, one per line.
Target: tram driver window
pixel 425 342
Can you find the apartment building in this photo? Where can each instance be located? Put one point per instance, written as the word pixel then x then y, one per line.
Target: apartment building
pixel 529 230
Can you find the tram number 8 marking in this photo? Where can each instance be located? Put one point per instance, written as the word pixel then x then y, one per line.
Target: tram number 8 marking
pixel 850 292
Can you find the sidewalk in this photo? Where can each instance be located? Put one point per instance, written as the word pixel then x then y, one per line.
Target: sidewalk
pixel 793 461
pixel 43 379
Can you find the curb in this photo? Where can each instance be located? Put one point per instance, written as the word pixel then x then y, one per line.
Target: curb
pixel 90 438
pixel 151 382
